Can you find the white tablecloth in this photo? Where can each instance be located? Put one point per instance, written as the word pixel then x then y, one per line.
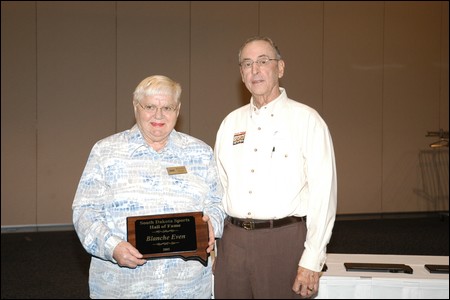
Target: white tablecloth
pixel 337 283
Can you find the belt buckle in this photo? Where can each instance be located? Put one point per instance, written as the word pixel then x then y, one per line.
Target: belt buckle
pixel 248 225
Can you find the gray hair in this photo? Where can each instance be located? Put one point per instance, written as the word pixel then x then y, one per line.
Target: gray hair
pixel 260 38
pixel 157 85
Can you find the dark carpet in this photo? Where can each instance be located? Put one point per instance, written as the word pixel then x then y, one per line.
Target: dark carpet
pixel 54 265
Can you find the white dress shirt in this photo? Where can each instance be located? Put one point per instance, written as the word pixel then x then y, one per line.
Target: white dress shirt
pixel 278 161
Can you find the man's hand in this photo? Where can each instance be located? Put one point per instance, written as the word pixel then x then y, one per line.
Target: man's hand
pixel 306 283
pixel 128 256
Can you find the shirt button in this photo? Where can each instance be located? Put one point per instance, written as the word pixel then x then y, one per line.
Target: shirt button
pixel 255 150
pixel 252 170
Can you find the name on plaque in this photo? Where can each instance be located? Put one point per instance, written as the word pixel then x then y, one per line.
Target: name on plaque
pixel 183 235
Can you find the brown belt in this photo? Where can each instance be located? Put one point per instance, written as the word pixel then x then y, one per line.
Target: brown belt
pixel 251 224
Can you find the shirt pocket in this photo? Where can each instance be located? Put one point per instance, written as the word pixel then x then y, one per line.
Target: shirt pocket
pixel 286 162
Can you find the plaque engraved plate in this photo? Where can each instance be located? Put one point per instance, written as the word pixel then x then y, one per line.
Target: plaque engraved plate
pixel 183 235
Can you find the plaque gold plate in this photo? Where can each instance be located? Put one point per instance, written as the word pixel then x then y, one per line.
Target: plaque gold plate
pixel 183 235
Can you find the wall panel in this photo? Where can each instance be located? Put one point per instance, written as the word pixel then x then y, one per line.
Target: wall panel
pixel 152 38
pixel 18 113
pixel 76 97
pixel 352 97
pixel 218 29
pixel 412 55
pixel 443 66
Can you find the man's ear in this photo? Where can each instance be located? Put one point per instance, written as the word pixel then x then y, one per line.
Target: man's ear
pixel 281 67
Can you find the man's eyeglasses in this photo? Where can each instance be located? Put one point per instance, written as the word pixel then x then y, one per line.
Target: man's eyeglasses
pixel 153 109
pixel 261 62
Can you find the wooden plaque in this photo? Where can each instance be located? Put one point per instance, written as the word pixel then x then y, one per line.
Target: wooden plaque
pixel 182 235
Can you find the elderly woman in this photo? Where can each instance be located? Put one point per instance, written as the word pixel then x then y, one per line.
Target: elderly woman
pixel 150 169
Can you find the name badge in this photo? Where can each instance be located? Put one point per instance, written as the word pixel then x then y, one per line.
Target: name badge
pixel 176 170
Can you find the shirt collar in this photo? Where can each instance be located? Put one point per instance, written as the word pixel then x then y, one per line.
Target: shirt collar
pixel 270 107
pixel 138 145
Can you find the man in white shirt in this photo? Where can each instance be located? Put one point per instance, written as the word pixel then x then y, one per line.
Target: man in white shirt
pixel 277 166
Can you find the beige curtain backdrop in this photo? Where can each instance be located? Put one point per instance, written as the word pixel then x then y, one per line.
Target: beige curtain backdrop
pixel 377 72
